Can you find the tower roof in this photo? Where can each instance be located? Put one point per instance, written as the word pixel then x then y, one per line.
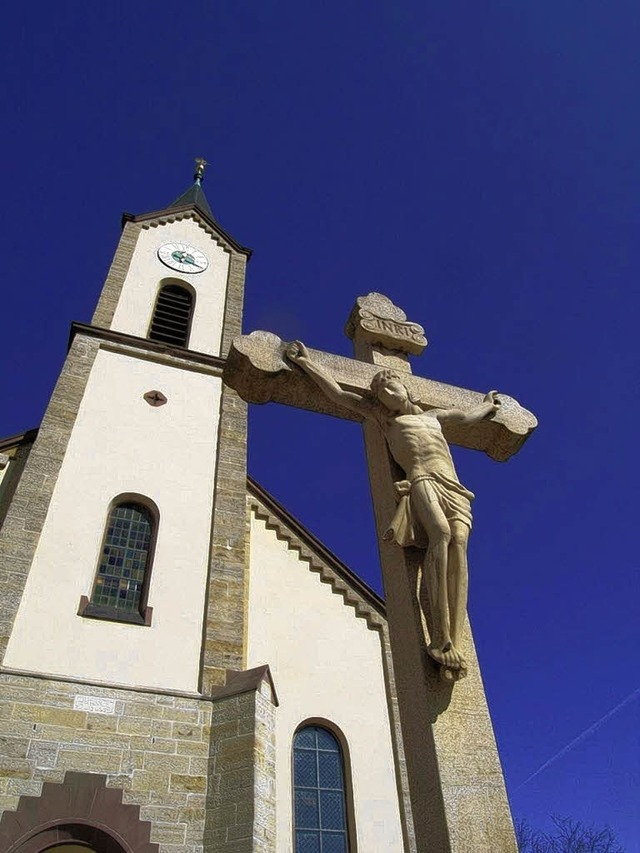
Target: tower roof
pixel 194 195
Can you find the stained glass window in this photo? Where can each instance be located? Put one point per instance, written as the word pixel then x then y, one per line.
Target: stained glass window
pixel 320 814
pixel 172 316
pixel 124 558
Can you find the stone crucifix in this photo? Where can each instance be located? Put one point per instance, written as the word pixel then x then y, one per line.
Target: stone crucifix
pixel 416 418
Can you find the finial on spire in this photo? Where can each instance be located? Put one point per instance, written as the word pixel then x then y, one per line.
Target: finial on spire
pixel 199 173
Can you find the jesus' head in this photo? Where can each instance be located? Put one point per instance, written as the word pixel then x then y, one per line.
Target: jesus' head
pixel 390 390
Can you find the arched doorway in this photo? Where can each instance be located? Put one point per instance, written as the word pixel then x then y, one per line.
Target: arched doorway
pixel 80 815
pixel 70 838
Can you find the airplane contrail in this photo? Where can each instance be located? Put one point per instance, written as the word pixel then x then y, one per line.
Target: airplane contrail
pixel 583 736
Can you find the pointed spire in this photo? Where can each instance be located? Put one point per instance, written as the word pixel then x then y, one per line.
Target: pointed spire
pixel 195 194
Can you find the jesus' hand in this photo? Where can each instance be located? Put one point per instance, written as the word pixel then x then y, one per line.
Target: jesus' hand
pixel 298 353
pixel 492 397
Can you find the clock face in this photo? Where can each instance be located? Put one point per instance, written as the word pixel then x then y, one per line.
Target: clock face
pixel 183 257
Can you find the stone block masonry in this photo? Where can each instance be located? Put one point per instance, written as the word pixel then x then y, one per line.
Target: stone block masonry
pixel 241 804
pixel 153 747
pixel 200 769
pixel 225 617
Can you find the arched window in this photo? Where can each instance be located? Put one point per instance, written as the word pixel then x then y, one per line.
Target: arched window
pixel 171 320
pixel 319 791
pixel 121 583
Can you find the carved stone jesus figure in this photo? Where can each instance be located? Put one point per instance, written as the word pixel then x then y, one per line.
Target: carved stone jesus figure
pixel 434 510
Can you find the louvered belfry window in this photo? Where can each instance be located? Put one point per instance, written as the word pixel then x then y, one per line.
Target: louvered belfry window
pixel 172 316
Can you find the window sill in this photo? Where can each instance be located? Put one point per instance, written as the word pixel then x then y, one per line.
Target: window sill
pixel 112 614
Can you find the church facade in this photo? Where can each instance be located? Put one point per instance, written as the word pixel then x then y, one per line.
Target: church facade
pixel 185 668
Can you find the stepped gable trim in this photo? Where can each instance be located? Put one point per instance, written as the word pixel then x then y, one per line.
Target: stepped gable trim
pixel 81 809
pixel 188 211
pixel 155 347
pixel 245 681
pixel 367 604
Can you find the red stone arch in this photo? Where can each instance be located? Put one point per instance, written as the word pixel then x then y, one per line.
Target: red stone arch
pixel 81 809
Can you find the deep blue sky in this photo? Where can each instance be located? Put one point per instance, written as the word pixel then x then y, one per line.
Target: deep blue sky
pixel 475 161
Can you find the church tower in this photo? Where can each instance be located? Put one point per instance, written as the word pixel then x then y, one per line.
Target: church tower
pixel 139 445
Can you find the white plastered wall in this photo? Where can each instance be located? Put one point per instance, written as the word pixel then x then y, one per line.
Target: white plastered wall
pixel 146 271
pixel 326 663
pixel 121 444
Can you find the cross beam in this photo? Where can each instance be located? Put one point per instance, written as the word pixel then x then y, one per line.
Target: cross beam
pixel 257 369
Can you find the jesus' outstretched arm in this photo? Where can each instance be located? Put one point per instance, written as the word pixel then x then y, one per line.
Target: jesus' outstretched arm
pixel 298 354
pixel 486 409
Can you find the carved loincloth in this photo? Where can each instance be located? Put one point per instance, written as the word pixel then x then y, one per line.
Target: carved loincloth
pixel 451 496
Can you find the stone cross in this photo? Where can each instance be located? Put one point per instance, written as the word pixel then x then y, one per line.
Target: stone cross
pixel 258 369
pixel 458 800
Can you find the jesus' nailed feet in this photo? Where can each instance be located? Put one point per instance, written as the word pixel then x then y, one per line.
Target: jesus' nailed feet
pixel 451 665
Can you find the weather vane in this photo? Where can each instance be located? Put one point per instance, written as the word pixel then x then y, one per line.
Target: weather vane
pixel 200 166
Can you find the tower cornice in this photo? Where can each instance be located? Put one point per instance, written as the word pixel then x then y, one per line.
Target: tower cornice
pixel 187 211
pixel 148 347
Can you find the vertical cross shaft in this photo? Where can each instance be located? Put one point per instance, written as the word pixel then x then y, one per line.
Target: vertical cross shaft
pixel 457 793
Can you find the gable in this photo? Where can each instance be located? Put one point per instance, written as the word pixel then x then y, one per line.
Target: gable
pixel 317 557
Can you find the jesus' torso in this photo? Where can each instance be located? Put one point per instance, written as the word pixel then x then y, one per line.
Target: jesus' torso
pixel 417 444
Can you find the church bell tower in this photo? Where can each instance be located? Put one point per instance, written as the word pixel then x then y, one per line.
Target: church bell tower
pixel 122 576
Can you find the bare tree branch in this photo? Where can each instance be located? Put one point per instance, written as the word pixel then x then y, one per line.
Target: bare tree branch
pixel 568 836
